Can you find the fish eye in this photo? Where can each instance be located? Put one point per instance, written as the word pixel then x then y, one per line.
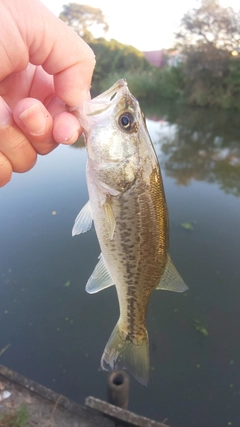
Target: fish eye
pixel 127 121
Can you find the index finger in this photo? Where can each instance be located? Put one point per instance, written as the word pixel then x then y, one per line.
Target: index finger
pixel 72 63
pixel 49 42
pixel 68 58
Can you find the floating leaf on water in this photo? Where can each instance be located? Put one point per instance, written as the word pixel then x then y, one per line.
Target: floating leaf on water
pixel 4 349
pixel 54 212
pixel 187 226
pixel 203 331
pixel 67 284
pixel 200 328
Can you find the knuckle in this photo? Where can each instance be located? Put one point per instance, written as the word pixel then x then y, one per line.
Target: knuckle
pixel 17 148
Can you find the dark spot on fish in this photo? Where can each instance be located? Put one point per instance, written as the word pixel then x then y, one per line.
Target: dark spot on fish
pixel 131 246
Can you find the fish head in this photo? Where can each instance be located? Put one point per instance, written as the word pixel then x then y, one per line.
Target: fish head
pixel 118 144
pixel 110 122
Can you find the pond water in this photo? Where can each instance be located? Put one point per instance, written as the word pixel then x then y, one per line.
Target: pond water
pixel 57 331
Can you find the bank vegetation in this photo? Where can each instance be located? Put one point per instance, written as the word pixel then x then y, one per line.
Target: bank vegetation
pixel 207 74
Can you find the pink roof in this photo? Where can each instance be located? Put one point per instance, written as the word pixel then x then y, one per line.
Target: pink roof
pixel 155 57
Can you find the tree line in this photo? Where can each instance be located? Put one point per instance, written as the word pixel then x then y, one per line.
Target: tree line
pixel 208 75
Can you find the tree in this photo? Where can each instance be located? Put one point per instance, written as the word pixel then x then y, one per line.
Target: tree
pixel 211 25
pixel 207 36
pixel 84 19
pixel 114 57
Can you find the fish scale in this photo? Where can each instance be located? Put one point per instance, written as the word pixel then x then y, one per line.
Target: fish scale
pixel 127 204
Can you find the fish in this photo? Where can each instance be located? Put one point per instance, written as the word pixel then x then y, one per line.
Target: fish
pixel 128 207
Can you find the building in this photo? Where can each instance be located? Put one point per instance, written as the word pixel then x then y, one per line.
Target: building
pixel 156 57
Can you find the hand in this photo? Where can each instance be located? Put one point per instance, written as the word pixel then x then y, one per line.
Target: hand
pixel 44 66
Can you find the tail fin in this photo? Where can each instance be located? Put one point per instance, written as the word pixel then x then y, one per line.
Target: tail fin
pixel 121 353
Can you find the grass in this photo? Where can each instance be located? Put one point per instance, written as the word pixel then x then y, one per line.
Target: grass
pixel 150 85
pixel 18 418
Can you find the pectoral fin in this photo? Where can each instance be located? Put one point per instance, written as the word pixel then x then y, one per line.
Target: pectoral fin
pixel 83 222
pixel 171 279
pixel 110 219
pixel 100 278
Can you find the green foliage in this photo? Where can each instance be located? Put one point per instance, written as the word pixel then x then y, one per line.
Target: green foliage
pixel 152 85
pixel 114 57
pixel 207 36
pixel 115 60
pixel 212 87
pixel 15 419
pixel 208 76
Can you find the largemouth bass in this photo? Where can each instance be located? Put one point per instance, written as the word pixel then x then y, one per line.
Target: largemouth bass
pixel 129 210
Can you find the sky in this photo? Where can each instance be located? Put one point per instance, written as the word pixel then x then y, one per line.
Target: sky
pixel 146 25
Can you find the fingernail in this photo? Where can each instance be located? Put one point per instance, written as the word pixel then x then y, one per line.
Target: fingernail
pixel 34 119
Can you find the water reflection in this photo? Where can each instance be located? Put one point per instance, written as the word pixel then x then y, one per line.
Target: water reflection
pixel 57 331
pixel 199 146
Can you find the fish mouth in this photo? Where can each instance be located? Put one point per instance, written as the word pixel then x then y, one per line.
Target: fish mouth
pixel 116 97
pixel 112 92
pixel 107 99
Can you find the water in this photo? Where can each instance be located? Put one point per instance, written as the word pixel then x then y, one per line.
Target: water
pixel 57 331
